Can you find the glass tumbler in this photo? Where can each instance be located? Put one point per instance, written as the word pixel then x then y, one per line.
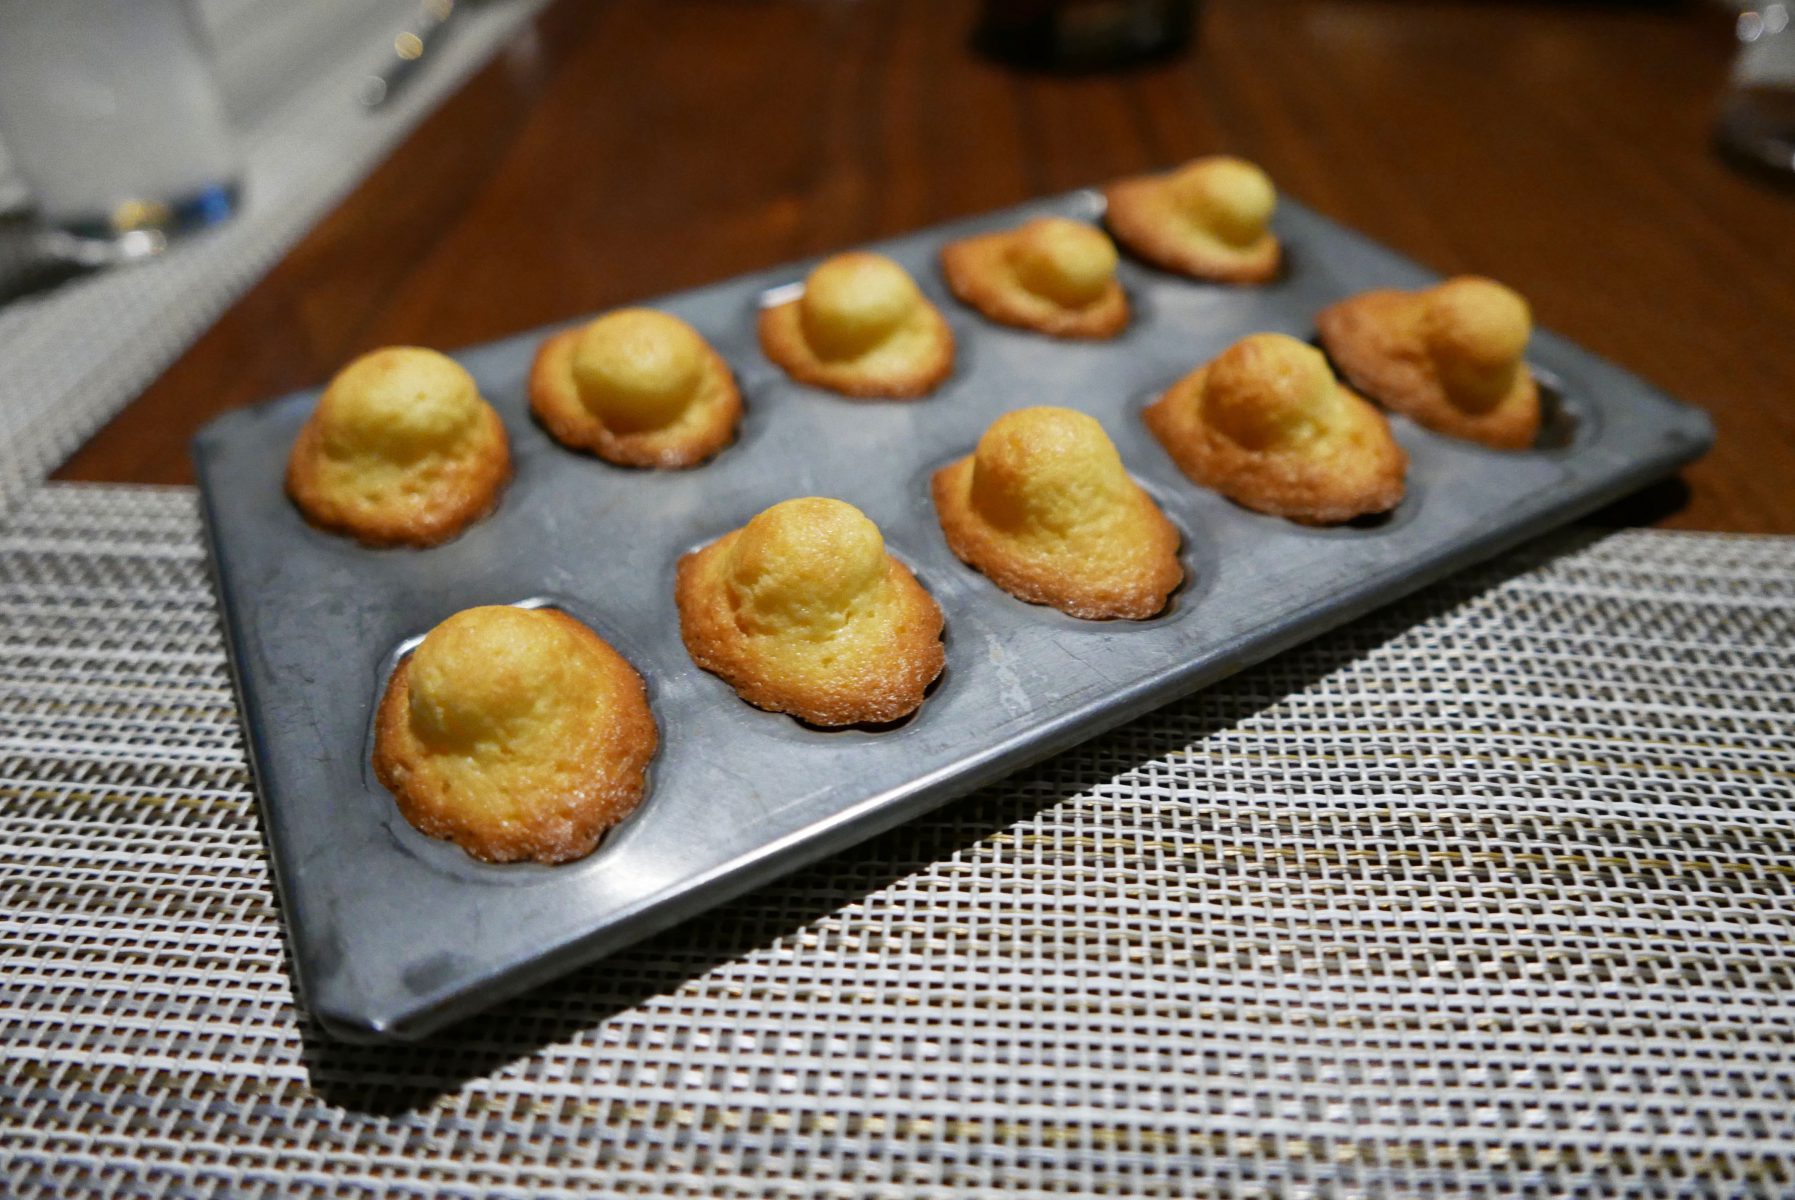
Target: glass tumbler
pixel 111 115
pixel 1757 116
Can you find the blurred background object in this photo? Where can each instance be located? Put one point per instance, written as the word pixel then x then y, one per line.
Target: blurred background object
pixel 621 150
pixel 114 122
pixel 124 123
pixel 412 48
pixel 76 343
pixel 1757 119
pixel 1083 35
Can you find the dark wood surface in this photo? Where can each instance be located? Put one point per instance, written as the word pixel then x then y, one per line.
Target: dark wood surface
pixel 618 150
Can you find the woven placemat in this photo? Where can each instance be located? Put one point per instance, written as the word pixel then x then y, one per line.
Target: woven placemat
pixel 1492 891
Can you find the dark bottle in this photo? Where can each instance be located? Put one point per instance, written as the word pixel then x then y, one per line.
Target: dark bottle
pixel 1082 35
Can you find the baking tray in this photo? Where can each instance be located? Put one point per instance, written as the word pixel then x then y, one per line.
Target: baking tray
pixel 395 934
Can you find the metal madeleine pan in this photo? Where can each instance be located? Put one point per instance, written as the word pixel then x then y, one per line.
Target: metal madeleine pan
pixel 395 935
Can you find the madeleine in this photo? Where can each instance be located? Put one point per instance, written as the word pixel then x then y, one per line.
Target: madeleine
pixel 636 387
pixel 1267 425
pixel 401 450
pixel 1209 219
pixel 861 328
pixel 518 734
pixel 1450 357
pixel 1051 275
pixel 1044 508
pixel 803 611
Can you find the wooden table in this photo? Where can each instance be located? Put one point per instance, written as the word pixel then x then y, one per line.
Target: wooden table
pixel 624 149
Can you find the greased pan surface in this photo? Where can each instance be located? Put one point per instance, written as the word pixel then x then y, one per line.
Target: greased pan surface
pixel 395 934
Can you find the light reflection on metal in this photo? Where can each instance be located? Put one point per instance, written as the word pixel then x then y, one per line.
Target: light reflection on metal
pixel 783 293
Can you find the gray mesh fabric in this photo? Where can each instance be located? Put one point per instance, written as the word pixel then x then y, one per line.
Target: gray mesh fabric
pixel 1490 891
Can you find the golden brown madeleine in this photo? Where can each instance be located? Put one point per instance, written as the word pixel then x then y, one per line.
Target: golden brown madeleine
pixel 518 734
pixel 1052 275
pixel 401 450
pixel 636 387
pixel 1267 425
pixel 1209 219
pixel 1451 357
pixel 861 328
pixel 802 611
pixel 1045 509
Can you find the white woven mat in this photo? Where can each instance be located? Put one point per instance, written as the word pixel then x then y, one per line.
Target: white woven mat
pixel 72 357
pixel 1493 891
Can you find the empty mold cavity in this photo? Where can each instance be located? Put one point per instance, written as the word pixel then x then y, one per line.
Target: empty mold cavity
pixel 1565 421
